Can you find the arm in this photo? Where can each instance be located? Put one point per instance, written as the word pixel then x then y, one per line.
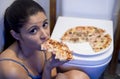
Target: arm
pixel 9 70
pixel 49 70
pixel 50 73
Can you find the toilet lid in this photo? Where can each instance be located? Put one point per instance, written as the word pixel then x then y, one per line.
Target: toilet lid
pixel 84 49
pixel 98 57
pixel 92 60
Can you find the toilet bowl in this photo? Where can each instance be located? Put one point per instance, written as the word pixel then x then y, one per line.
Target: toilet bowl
pixel 94 60
pixel 94 66
pixel 93 71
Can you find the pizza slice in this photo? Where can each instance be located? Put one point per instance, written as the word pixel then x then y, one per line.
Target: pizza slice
pixel 60 49
pixel 101 42
pixel 75 35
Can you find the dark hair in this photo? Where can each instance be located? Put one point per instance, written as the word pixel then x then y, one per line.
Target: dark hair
pixel 17 15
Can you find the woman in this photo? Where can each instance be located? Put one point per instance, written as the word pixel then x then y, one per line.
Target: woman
pixel 27 23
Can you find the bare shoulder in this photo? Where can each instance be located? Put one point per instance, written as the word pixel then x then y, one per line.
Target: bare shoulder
pixel 9 69
pixel 9 52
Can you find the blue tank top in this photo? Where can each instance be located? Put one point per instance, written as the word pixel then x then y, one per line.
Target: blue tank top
pixel 30 75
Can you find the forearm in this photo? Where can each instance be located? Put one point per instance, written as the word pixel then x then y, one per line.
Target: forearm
pixel 47 73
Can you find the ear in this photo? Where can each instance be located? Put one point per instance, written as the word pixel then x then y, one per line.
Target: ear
pixel 15 35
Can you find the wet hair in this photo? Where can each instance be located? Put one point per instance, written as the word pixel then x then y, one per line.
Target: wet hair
pixel 16 15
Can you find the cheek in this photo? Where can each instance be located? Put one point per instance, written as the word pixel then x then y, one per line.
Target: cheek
pixel 48 31
pixel 32 42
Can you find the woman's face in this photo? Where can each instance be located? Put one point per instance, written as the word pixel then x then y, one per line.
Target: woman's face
pixel 35 32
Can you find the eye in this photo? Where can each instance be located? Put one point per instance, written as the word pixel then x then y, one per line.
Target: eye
pixel 45 25
pixel 33 31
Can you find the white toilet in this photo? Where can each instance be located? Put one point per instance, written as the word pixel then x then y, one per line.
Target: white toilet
pixel 93 67
pixel 93 64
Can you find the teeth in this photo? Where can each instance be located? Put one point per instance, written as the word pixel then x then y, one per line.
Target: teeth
pixel 43 47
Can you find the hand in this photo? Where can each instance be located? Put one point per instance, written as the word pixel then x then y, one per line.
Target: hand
pixel 52 62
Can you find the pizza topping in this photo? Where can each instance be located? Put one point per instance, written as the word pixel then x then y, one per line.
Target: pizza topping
pixel 60 49
pixel 95 36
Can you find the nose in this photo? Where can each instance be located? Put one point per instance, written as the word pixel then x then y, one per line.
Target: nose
pixel 44 34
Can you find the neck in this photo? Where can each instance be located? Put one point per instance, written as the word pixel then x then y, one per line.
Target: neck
pixel 30 57
pixel 25 53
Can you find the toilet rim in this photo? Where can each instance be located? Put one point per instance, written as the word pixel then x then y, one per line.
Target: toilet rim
pixel 90 66
pixel 90 63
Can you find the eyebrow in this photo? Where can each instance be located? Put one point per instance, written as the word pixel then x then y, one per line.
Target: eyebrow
pixel 45 20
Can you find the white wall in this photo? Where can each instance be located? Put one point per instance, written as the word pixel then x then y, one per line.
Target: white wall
pixel 87 8
pixel 98 9
pixel 3 5
pixel 45 5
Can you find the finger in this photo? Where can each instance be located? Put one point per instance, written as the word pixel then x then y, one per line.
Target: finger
pixel 65 61
pixel 53 55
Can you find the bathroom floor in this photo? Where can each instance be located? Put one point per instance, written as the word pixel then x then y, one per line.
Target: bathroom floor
pixel 109 76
